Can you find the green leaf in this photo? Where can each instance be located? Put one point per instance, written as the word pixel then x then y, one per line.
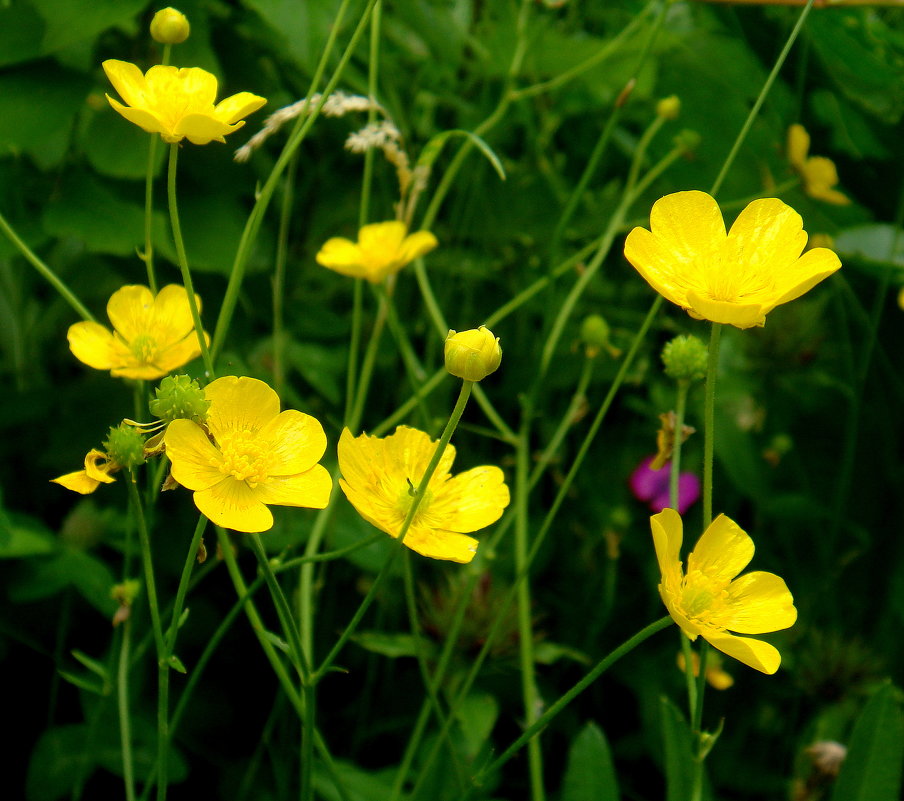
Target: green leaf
pixel 878 243
pixel 357 784
pixel 300 28
pixel 872 768
pixel 546 653
pixel 393 645
pixel 434 147
pixel 176 664
pixel 322 367
pixel 590 774
pixel 21 537
pixel 476 716
pixel 59 761
pixel 92 664
pixel 21 33
pixel 84 683
pixel 679 753
pixel 71 21
pixel 120 150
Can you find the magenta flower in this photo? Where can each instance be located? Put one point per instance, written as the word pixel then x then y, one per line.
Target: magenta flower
pixel 652 487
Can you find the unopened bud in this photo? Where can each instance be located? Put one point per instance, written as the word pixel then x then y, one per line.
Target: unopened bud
pixel 685 358
pixel 688 140
pixel 595 331
pixel 170 26
pixel 669 107
pixel 179 398
pixel 472 355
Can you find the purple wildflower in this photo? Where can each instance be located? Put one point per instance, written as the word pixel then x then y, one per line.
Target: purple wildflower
pixel 652 487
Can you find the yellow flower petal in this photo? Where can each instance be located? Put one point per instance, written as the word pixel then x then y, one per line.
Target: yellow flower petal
pixel 806 272
pixel 382 249
pixel 767 236
pixel 195 460
pixel 233 504
pixel 144 119
pixel 723 551
pixel 447 545
pixel 127 80
pixel 382 240
pixel 297 442
pixel 79 482
pixel 310 489
pixel 239 404
pixel 172 313
pixel 471 500
pixel 754 653
pixel 740 315
pixel 687 243
pixel 196 85
pixel 758 602
pixel 798 145
pixel 342 256
pixel 200 129
pixel 417 245
pixel 667 530
pixel 92 344
pixel 130 309
pixel 654 262
pixel 232 109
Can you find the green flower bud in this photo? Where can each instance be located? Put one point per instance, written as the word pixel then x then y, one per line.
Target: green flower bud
pixel 179 398
pixel 595 331
pixel 688 140
pixel 125 445
pixel 669 107
pixel 472 355
pixel 126 592
pixel 170 26
pixel 685 358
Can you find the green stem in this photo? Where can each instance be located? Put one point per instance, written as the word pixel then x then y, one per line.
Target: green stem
pixel 304 124
pixel 451 425
pixel 279 277
pixel 184 581
pixel 604 664
pixel 735 148
pixel 162 665
pixel 148 256
pixel 712 369
pixel 183 260
pixel 45 271
pixel 125 723
pixel 674 473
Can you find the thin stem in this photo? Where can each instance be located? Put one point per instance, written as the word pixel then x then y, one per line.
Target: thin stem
pixel 184 581
pixel 125 722
pixel 65 292
pixel 674 473
pixel 729 159
pixel 183 260
pixel 712 369
pixel 304 124
pixel 148 255
pixel 604 664
pixel 279 276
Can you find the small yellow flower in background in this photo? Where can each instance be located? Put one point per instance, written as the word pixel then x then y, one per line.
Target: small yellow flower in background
pixel 716 676
pixel 817 173
pixel 901 298
pixel 709 601
pixel 152 335
pixel 258 456
pixel 178 103
pixel 170 26
pixel 472 355
pixel 379 478
pixel 382 250
pixel 98 467
pixel 735 278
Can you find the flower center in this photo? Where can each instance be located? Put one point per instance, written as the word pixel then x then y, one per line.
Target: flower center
pixel 406 497
pixel 144 348
pixel 243 457
pixel 702 598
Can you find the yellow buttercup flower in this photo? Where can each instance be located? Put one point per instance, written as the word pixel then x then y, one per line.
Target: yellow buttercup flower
pixel 382 249
pixel 152 335
pixel 178 103
pixel 735 278
pixel 379 477
pixel 98 467
pixel 254 455
pixel 817 173
pixel 709 601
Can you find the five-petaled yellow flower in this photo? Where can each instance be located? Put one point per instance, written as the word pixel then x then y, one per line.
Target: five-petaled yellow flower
pixel 817 173
pixel 709 601
pixel 735 278
pixel 178 103
pixel 98 467
pixel 250 455
pixel 152 335
pixel 379 477
pixel 382 249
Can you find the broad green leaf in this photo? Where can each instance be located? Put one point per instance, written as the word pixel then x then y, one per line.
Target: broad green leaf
pixel 21 33
pixel 679 753
pixel 20 537
pixel 322 367
pixel 357 784
pixel 391 644
pixel 116 148
pixel 590 774
pixel 71 21
pixel 58 762
pixel 872 769
pixel 477 715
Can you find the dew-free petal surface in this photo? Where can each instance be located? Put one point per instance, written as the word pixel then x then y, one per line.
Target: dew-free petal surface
pixel 233 504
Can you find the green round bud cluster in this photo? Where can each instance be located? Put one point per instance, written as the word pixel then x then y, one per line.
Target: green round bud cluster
pixel 125 445
pixel 669 107
pixel 595 331
pixel 472 355
pixel 170 26
pixel 685 358
pixel 179 398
